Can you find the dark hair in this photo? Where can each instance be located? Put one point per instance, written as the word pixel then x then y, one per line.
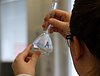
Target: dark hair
pixel 85 24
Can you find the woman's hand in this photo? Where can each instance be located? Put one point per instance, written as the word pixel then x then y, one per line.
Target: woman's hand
pixel 59 20
pixel 25 62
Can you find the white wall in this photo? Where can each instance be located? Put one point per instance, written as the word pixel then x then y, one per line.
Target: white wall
pixel 13 28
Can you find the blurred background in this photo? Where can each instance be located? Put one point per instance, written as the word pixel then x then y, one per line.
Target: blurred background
pixel 20 24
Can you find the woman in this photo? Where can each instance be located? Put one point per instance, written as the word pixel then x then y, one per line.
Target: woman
pixel 83 33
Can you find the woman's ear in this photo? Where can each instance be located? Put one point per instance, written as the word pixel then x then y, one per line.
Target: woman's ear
pixel 77 48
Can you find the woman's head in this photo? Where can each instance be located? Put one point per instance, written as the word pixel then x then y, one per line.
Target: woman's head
pixel 85 25
pixel 85 33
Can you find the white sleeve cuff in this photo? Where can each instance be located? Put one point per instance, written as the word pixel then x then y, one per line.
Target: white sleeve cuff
pixel 23 75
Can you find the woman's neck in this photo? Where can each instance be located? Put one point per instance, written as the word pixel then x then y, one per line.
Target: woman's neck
pixel 92 70
pixel 88 65
pixel 92 73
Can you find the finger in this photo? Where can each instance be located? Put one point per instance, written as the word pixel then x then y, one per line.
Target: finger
pixel 45 25
pixel 57 14
pixel 30 54
pixel 28 57
pixel 35 57
pixel 22 56
pixel 27 50
pixel 56 23
pixel 49 15
pixel 46 19
pixel 53 29
pixel 50 30
pixel 61 14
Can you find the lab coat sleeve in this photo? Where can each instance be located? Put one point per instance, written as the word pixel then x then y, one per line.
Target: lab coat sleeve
pixel 23 75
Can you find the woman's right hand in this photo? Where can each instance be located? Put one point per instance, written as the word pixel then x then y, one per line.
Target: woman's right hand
pixel 25 62
pixel 59 20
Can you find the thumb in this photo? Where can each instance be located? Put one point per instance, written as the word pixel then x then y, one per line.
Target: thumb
pixel 27 50
pixel 35 57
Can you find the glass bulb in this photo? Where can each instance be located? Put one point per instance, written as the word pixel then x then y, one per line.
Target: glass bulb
pixel 44 42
